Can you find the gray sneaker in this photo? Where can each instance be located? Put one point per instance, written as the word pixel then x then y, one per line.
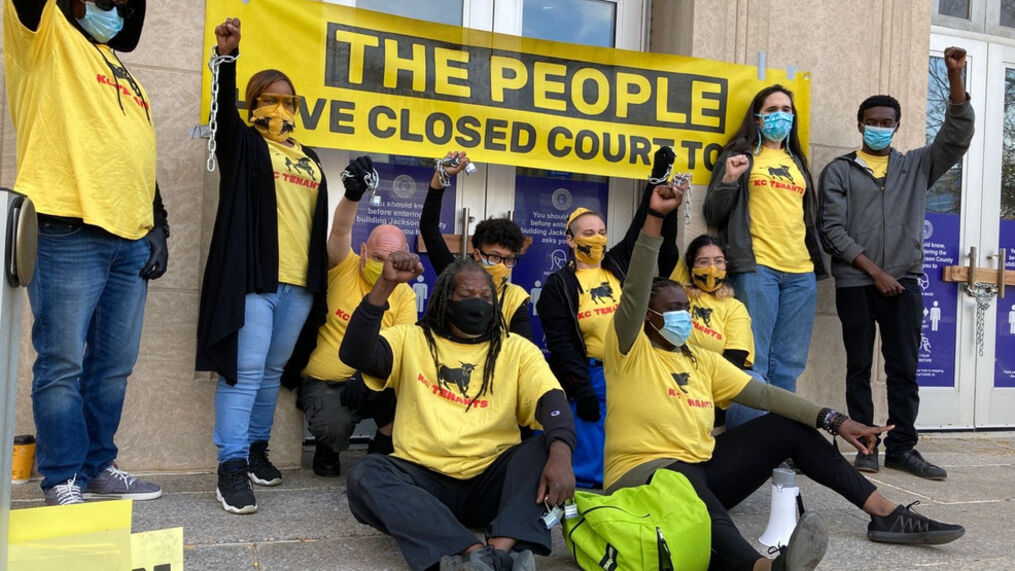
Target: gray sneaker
pixel 114 483
pixel 64 494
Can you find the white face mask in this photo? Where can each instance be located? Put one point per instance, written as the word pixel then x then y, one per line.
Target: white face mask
pixel 103 25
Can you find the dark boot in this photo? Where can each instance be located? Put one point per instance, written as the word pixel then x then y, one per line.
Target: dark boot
pixel 326 461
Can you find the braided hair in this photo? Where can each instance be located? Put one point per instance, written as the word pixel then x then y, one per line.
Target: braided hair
pixel 660 284
pixel 436 319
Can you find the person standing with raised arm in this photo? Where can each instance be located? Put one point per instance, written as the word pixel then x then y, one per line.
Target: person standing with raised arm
pixel 873 203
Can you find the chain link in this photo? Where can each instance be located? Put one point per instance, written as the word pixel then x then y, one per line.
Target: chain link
pixel 982 293
pixel 213 63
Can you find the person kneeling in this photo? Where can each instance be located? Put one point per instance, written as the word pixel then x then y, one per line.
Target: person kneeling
pixel 464 385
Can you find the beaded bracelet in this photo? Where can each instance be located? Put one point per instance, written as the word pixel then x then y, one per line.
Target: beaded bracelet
pixel 831 420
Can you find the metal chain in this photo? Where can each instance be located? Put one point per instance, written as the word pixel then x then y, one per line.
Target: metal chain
pixel 213 63
pixel 679 180
pixel 983 293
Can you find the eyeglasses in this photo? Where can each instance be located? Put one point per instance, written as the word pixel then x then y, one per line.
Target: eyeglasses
pixel 494 259
pixel 676 306
pixel 290 102
pixel 704 262
pixel 124 10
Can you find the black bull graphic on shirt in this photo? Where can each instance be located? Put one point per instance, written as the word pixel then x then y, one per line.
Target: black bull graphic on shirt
pixel 446 376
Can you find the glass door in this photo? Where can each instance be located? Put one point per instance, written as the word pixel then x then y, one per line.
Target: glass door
pixel 967 355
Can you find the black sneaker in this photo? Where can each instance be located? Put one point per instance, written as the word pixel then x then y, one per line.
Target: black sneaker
pixel 380 444
pixel 326 461
pixel 260 470
pixel 233 490
pixel 806 546
pixel 906 526
pixel 867 462
pixel 911 461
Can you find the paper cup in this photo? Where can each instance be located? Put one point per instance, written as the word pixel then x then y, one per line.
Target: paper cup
pixel 24 458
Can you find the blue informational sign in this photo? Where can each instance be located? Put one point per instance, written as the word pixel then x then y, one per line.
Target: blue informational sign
pixel 1004 347
pixel 542 206
pixel 402 191
pixel 936 365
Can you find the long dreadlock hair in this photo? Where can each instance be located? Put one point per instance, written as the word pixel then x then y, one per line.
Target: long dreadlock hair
pixel 436 318
pixel 660 284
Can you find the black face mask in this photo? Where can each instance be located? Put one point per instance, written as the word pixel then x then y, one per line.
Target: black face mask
pixel 471 316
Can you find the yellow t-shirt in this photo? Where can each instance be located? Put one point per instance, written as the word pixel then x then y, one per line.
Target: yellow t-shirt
pixel 599 298
pixel 346 289
pixel 878 164
pixel 297 178
pixel 720 324
pixel 79 154
pixel 661 404
pixel 776 202
pixel 433 428
pixel 511 298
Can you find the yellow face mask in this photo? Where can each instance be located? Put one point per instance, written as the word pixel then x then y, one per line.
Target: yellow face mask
pixel 273 122
pixel 590 249
pixel 372 270
pixel 708 279
pixel 499 272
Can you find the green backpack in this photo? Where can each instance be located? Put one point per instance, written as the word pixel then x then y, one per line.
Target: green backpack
pixel 660 525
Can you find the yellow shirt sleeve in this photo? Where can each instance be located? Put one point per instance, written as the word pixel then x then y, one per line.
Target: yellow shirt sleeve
pixel 535 379
pixel 396 337
pixel 727 379
pixel 739 335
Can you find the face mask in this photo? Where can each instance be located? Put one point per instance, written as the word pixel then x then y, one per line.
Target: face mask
pixel 471 316
pixel 499 272
pixel 590 249
pixel 776 126
pixel 708 279
pixel 372 270
pixel 676 326
pixel 877 138
pixel 273 122
pixel 101 24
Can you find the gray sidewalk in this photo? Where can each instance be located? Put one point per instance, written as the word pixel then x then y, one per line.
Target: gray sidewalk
pixel 305 523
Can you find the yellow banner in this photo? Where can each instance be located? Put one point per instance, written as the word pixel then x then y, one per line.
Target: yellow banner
pixel 379 83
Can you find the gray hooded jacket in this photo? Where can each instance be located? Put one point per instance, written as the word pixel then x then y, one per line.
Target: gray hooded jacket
pixel 859 215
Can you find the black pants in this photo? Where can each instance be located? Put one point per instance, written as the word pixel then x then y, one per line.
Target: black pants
pixel 743 460
pixel 332 422
pixel 899 319
pixel 429 514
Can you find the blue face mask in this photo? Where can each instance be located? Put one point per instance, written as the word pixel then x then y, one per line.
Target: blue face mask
pixel 776 126
pixel 676 326
pixel 877 138
pixel 101 24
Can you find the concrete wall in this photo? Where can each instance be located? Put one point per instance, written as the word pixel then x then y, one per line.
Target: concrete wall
pixel 168 414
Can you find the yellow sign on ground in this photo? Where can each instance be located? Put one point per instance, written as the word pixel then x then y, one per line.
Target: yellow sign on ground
pixel 380 83
pixel 93 536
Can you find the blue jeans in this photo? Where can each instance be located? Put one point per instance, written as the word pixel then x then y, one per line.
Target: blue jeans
pixel 244 412
pixel 782 309
pixel 587 457
pixel 738 414
pixel 88 301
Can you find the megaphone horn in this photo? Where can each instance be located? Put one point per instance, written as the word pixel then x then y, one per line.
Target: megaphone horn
pixel 783 516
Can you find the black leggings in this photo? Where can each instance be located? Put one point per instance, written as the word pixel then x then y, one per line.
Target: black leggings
pixel 743 460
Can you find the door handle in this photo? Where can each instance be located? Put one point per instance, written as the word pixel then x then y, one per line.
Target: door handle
pixel 1002 256
pixel 971 278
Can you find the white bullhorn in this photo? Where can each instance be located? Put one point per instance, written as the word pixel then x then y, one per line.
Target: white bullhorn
pixel 783 516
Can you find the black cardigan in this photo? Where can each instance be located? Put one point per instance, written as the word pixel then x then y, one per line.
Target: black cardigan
pixel 243 257
pixel 558 304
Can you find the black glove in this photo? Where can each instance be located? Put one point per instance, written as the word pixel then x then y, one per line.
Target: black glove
pixel 587 405
pixel 355 181
pixel 159 258
pixel 354 392
pixel 662 161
